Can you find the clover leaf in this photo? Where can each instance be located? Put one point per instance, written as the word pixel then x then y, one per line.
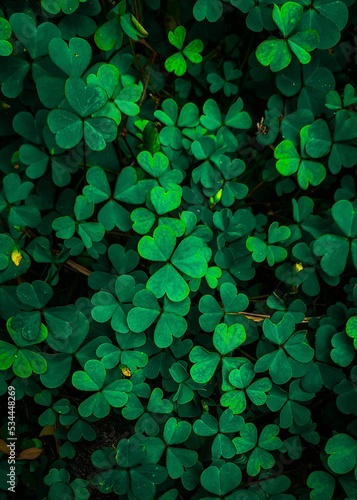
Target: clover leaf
pixel 242 378
pixel 177 62
pixel 334 248
pixel 23 361
pixel 290 161
pixel 190 257
pixel 71 127
pixel 225 340
pixel 212 12
pixel 221 480
pixel 154 164
pixel 132 472
pixel 74 58
pixel 93 379
pixel 112 214
pixel 322 484
pixel 109 35
pixel 232 304
pixel 230 74
pixel 89 232
pixel 334 101
pixel 343 152
pixel 346 400
pixel 35 39
pixel 14 192
pixel 342 451
pixel 178 459
pixel 260 456
pixel 292 346
pixel 291 411
pixel 327 20
pixel 120 98
pixel 171 317
pixel 259 14
pixel 229 423
pixel 277 53
pixel 176 123
pixel 269 251
pixel 115 308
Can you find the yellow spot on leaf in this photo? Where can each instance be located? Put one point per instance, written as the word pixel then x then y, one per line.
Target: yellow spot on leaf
pixel 125 371
pixel 16 257
pixel 298 267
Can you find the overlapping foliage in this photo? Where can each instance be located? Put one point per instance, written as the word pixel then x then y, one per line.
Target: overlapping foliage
pixel 178 247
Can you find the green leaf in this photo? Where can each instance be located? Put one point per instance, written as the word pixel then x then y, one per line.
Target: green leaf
pixel 35 39
pixel 67 126
pixel 26 362
pixel 302 43
pixel 92 378
pixel 207 425
pixel 177 37
pixel 157 404
pixel 177 64
pixel 64 227
pixel 15 190
pixel 342 449
pixel 26 328
pixel 237 118
pixel 260 457
pixel 212 12
pixel 351 329
pixel 288 158
pixel 128 190
pixel 190 257
pixel 98 189
pixel 74 58
pixel 158 248
pixel 346 401
pixel 95 405
pixel 108 35
pixel 322 484
pixel 248 438
pixel 84 99
pixel 178 460
pixel 205 364
pixel 176 432
pixel 319 142
pixel 155 164
pixel 221 481
pixel 116 392
pixel 168 280
pixel 36 294
pixel 192 51
pixel 345 216
pixel 165 201
pixel 227 339
pixel 5 33
pixel 274 53
pixel 288 17
pixel 334 251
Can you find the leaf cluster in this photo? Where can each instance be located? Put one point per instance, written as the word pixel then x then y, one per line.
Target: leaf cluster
pixel 178 248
